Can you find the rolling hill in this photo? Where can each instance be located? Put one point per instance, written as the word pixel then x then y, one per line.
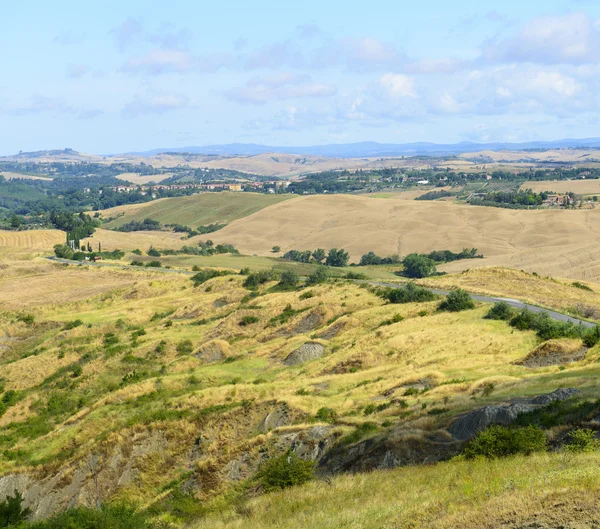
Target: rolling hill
pixel 195 210
pixel 557 243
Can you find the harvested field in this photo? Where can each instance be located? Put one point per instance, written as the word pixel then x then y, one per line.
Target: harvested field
pixel 557 243
pixel 580 187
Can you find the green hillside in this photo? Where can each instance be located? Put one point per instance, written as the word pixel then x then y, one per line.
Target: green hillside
pixel 195 210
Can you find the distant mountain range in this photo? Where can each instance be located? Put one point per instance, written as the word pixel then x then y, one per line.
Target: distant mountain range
pixel 369 149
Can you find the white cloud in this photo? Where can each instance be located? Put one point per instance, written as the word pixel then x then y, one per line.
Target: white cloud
pixel 572 38
pixel 261 90
pixel 398 85
pixel 155 103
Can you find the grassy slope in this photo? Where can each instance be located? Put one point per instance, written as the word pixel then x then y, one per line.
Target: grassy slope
pixel 456 495
pixel 543 291
pixel 196 210
pixel 459 352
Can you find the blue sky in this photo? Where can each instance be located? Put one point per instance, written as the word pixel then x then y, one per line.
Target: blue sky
pixel 117 76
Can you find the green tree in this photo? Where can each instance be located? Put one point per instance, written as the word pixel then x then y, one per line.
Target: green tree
pixel 12 512
pixel 418 266
pixel 276 249
pixel 319 255
pixel 337 257
pixel 15 221
pixel 289 280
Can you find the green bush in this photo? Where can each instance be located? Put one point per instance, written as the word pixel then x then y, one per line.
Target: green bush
pixel 185 347
pixel 307 295
pixel 154 264
pixel 136 263
pixel 326 415
pixel 456 301
pixel 500 441
pixel 248 320
pixel 319 276
pixel 500 311
pixel 289 280
pixel 396 318
pixel 418 266
pixel 409 293
pixel 72 325
pixel 153 252
pixel 582 440
pixel 285 471
pixel 582 286
pixel 207 273
pixel 255 279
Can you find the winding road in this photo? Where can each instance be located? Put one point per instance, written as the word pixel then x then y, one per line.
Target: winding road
pixel 515 303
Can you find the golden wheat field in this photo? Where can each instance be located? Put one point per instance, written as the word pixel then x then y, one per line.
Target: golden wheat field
pixel 11 241
pixel 579 187
pixel 558 243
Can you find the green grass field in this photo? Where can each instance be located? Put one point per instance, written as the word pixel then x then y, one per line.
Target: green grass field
pixel 195 210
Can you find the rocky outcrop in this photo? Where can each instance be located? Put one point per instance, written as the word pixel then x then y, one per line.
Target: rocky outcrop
pixel 213 351
pixel 468 425
pixel 276 418
pixel 305 353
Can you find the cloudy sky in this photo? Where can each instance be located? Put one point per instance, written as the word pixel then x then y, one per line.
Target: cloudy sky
pixel 117 76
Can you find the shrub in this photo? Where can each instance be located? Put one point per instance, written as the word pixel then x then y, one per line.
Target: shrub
pixel 456 301
pixel 276 249
pixel 72 325
pixel 326 415
pixel 28 319
pixel 248 320
pixel 285 471
pixel 137 263
pixel 500 441
pixel 207 273
pixel 289 280
pixel 154 264
pixel 153 252
pixel 307 295
pixel 320 275
pixel 396 318
pixel 582 286
pixel 255 279
pixel 582 440
pixel 500 311
pixel 409 293
pixel 355 276
pixel 185 347
pixel 12 512
pixel 418 266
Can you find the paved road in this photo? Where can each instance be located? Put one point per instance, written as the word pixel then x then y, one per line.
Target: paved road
pixel 559 316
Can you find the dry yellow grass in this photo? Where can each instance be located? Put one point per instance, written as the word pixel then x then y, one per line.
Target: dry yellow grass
pixel 558 243
pixel 111 240
pixel 11 241
pixel 481 494
pixel 31 284
pixel 580 187
pixel 504 282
